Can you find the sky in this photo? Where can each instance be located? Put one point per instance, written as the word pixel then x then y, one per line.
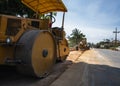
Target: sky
pixel 97 19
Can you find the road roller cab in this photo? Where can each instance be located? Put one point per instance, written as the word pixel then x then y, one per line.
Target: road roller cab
pixel 58 32
pixel 31 44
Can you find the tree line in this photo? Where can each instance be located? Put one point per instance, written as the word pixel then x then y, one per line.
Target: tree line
pixel 75 37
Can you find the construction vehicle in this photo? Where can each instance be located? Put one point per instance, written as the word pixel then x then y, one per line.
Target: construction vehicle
pixel 83 45
pixel 31 44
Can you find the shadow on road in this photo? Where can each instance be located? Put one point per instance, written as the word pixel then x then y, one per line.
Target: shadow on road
pixel 9 76
pixel 96 75
pixel 104 75
pixel 99 75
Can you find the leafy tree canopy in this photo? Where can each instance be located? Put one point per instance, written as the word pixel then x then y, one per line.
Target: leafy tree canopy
pixel 75 37
pixel 14 7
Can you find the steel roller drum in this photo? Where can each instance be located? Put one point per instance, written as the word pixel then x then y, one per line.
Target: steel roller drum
pixel 64 49
pixel 38 53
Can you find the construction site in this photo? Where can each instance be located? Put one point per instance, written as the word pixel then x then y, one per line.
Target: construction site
pixel 35 53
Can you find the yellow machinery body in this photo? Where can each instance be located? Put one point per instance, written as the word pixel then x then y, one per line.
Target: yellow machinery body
pixel 62 44
pixel 30 44
pixel 83 44
pixel 63 50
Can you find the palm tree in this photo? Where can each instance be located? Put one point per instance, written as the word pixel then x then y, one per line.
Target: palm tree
pixel 76 36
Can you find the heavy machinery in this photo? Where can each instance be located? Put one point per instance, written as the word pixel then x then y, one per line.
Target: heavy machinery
pixel 83 45
pixel 32 45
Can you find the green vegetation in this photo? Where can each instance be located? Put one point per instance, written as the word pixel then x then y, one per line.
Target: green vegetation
pixel 75 37
pixel 107 44
pixel 14 7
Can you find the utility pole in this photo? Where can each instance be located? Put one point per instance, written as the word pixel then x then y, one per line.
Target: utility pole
pixel 116 32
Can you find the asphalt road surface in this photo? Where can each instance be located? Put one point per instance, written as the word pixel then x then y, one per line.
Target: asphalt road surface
pixel 95 67
pixel 112 56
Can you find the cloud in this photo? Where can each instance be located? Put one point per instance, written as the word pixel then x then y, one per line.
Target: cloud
pixel 97 34
pixel 93 34
pixel 95 18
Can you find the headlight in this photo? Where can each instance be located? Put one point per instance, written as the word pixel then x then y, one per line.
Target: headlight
pixel 8 40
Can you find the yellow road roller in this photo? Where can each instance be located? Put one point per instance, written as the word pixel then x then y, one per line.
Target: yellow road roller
pixel 62 44
pixel 83 45
pixel 31 44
